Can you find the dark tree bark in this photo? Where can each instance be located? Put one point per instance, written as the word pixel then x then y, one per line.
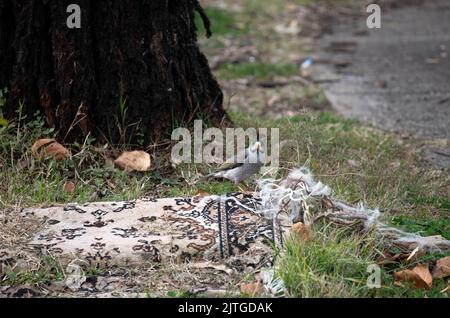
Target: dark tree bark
pixel 142 51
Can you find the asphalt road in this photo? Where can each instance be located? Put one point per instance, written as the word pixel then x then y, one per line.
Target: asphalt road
pixel 397 77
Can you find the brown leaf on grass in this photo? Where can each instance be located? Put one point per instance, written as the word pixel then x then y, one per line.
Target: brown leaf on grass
pixel 420 275
pixel 442 268
pixel 201 194
pixel 134 161
pixel 446 290
pixel 251 289
pixel 39 143
pixel 425 275
pixel 386 258
pixel 49 148
pixel 69 187
pixel 303 231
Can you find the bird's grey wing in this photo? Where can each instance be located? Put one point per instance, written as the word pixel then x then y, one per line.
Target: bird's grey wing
pixel 232 163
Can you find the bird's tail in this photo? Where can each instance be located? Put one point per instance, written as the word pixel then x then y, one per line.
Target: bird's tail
pixel 211 175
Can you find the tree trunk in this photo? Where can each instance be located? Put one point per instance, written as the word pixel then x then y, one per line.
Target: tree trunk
pixel 141 54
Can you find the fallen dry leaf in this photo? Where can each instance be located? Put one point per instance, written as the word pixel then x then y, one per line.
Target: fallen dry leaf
pixel 251 289
pixel 69 187
pixel 201 194
pixel 39 143
pixel 424 274
pixel 385 259
pixel 420 275
pixel 134 161
pixel 442 268
pixel 49 148
pixel 303 231
pixel 446 290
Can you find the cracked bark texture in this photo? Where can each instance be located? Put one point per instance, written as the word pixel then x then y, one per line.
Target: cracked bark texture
pixel 143 52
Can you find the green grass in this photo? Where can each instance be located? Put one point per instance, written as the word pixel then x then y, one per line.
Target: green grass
pixel 315 94
pixel 223 22
pixel 423 225
pixel 255 8
pixel 389 289
pixel 29 181
pixel 417 197
pixel 335 264
pixel 178 294
pixel 383 175
pixel 49 271
pixel 3 92
pixel 359 163
pixel 257 70
pixel 332 264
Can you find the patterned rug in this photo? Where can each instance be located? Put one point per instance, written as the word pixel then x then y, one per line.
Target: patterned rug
pixel 209 228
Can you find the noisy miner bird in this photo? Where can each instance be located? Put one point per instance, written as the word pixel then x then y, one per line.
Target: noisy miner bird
pixel 254 158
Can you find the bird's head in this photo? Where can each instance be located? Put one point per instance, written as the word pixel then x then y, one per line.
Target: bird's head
pixel 256 154
pixel 257 147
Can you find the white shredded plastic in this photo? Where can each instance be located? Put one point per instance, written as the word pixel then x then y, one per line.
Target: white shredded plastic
pixel 273 285
pixel 300 195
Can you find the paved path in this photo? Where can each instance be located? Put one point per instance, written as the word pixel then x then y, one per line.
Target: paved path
pixel 396 77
